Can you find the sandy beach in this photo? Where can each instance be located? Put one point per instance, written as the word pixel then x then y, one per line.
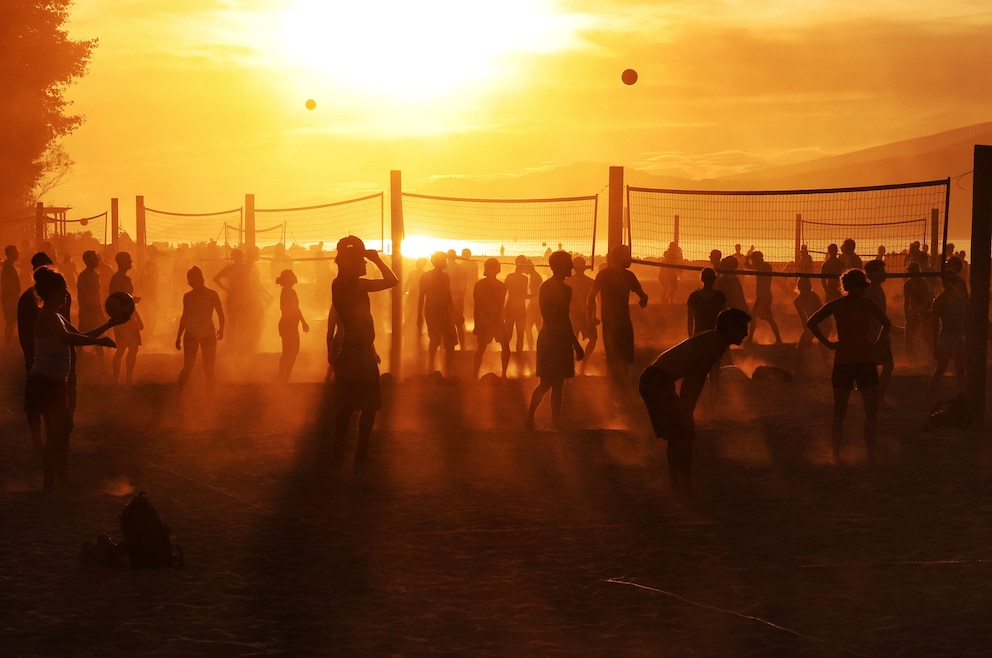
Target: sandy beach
pixel 468 535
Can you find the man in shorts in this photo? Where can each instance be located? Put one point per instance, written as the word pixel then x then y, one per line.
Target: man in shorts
pixel 489 300
pixel 672 413
pixel 854 354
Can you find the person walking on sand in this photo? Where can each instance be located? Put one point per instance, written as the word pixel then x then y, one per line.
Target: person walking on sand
pixel 48 389
pixel 556 341
pixel 581 284
pixel 949 334
pixel 488 302
pixel 355 362
pixel 434 307
pixel 290 321
pixel 875 271
pixel 671 413
pixel 516 302
pixel 90 297
pixel 806 303
pixel 762 308
pixel 854 356
pixel 613 285
pixel 832 267
pixel 128 334
pixel 196 327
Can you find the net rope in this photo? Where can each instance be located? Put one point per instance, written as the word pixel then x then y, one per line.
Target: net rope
pixel 175 228
pixel 308 225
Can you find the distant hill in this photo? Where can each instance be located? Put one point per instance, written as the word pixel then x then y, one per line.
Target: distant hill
pixel 948 154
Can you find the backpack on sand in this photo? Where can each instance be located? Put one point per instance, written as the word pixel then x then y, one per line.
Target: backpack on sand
pixel 146 537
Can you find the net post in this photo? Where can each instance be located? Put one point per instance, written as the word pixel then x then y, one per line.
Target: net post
pixel 39 222
pixel 396 236
pixel 799 236
pixel 936 255
pixel 140 223
pixel 981 255
pixel 614 225
pixel 249 227
pixel 115 225
pixel 675 231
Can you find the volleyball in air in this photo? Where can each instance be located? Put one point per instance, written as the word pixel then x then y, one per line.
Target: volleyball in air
pixel 311 103
pixel 629 76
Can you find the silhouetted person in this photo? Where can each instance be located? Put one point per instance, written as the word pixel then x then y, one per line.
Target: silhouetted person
pixel 534 320
pixel 716 257
pixel 854 357
pixel 458 279
pixel 848 257
pixel 48 387
pixel 28 307
pixel 10 291
pixel 704 304
pixel 804 262
pixel 668 277
pixel 556 342
pixel 290 321
pixel 762 308
pixel 434 309
pixel 411 294
pixel 517 284
pixel 807 303
pixel 128 334
pixel 831 268
pixel 89 295
pixel 471 268
pixel 875 271
pixel 489 300
pixel 67 268
pixel 739 256
pixel 730 284
pixel 917 304
pixel 148 288
pixel 196 328
pixel 613 285
pixel 671 413
pixel 235 280
pixel 581 285
pixel 949 331
pixel 356 364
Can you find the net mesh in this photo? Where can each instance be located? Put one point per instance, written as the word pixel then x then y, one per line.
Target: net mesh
pixel 305 226
pixel 779 222
pixel 174 228
pixel 499 227
pixel 97 226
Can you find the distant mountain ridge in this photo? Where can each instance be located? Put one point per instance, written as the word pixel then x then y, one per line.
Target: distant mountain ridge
pixel 948 154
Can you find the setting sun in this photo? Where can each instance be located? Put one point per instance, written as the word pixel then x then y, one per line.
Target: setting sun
pixel 410 51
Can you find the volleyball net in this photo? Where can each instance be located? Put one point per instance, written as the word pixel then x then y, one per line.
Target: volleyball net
pixel 224 227
pixel 499 227
pixel 95 226
pixel 882 220
pixel 325 223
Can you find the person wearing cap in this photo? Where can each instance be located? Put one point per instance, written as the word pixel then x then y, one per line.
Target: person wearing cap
pixel 351 341
pixel 581 284
pixel 854 355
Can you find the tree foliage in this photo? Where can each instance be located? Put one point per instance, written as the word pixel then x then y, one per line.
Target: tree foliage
pixel 38 62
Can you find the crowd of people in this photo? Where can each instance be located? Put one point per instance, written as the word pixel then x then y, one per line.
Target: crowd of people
pixel 559 319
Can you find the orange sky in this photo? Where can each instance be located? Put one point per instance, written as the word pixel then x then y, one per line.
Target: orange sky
pixel 193 103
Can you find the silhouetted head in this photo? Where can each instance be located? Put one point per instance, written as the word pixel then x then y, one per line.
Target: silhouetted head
pixel 237 256
pixel 579 264
pixel 10 251
pixel 41 259
pixel 875 270
pixel 422 262
pixel 804 284
pixel 853 280
pixel 758 256
pixel 491 267
pixel 50 285
pixel 832 249
pixel 286 278
pixel 452 255
pixel 708 274
pixel 194 276
pixel 520 261
pixel 733 323
pixel 466 253
pixel 351 256
pixel 619 256
pixel 716 256
pixel 439 260
pixel 560 263
pixel 123 260
pixel 728 263
pixel 913 267
pixel 848 246
pixel 955 264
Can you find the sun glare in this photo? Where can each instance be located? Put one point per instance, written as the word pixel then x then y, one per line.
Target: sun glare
pixel 416 50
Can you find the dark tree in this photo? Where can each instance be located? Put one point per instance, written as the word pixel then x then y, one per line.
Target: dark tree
pixel 38 62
